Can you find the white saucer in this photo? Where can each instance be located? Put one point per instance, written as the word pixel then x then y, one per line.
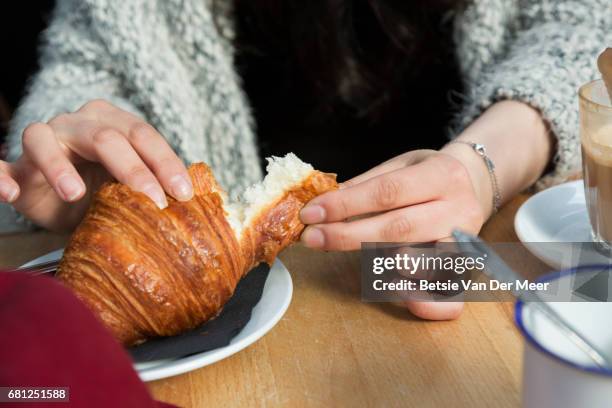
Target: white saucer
pixel 274 301
pixel 554 226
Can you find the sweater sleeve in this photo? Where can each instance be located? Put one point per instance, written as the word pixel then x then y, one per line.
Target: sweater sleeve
pixel 74 68
pixel 542 53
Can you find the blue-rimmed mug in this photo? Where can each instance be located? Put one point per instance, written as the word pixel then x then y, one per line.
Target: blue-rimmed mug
pixel 555 372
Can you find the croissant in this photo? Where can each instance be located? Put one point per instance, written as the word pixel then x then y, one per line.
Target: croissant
pixel 147 272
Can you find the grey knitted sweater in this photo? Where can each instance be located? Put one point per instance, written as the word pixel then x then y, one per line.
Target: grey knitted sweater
pixel 167 61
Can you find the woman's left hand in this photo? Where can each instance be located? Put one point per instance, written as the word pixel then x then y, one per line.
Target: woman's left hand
pixel 420 196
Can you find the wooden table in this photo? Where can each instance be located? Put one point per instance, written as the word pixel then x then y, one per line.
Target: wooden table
pixel 331 349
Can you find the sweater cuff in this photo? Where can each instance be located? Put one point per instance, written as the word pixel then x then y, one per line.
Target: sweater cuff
pixel 11 221
pixel 543 68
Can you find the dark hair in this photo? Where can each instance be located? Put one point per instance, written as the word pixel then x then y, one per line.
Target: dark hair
pixel 355 53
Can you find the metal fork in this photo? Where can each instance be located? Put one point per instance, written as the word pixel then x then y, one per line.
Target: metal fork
pixel 38 269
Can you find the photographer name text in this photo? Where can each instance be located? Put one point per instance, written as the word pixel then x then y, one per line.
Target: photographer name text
pixel 424 285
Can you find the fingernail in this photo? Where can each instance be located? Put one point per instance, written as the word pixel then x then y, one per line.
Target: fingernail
pixel 8 192
pixel 181 187
pixel 312 214
pixel 69 186
pixel 313 237
pixel 155 194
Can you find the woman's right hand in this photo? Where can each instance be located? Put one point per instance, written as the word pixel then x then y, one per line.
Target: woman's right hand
pixel 65 160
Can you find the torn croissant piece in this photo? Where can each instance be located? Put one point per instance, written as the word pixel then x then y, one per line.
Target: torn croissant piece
pixel 147 272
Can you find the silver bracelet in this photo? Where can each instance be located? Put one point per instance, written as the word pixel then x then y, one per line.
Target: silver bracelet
pixel 482 152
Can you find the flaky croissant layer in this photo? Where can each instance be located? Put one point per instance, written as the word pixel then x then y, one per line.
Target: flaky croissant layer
pixel 147 272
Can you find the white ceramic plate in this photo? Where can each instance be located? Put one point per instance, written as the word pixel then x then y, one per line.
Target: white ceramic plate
pixel 274 301
pixel 554 226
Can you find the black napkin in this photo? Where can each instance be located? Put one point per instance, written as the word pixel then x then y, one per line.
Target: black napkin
pixel 215 333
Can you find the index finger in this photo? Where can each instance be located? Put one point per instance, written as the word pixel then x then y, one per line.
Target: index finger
pixel 154 150
pixel 151 147
pixel 407 186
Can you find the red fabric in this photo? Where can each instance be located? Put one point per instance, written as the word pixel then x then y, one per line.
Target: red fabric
pixel 49 338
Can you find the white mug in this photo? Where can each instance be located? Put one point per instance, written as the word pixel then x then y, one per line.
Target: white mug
pixel 556 373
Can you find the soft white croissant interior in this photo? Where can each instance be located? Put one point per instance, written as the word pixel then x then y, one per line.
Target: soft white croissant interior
pixel 282 174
